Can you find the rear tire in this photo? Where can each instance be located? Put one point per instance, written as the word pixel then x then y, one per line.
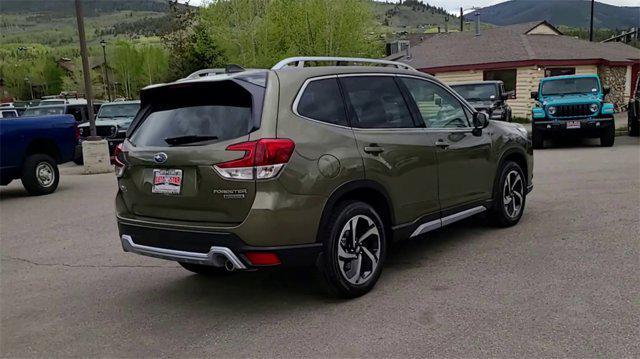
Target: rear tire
pixel 40 174
pixel 608 137
pixel 509 195
pixel 354 249
pixel 537 138
pixel 634 128
pixel 204 270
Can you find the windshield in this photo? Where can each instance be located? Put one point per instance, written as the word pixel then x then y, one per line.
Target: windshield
pixel 122 110
pixel 570 86
pixel 476 92
pixel 43 111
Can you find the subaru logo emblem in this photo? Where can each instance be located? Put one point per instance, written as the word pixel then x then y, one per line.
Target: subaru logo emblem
pixel 160 157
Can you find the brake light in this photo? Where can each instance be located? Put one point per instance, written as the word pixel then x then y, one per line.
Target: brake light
pixel 77 132
pixel 263 159
pixel 118 160
pixel 262 258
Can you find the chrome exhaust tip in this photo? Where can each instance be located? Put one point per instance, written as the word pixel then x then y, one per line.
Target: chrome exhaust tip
pixel 228 265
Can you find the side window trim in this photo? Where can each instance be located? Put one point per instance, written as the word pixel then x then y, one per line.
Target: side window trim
pixel 303 88
pixel 351 113
pixel 463 103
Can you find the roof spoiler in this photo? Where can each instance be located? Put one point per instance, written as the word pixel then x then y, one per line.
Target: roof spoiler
pixel 230 69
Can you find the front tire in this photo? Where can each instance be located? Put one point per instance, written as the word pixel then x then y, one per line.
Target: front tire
pixel 634 128
pixel 509 197
pixel 537 139
pixel 354 249
pixel 608 137
pixel 40 174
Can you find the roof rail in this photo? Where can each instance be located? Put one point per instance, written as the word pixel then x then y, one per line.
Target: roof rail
pixel 300 61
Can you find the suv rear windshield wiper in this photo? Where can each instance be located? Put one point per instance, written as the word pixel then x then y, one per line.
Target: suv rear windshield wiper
pixel 183 140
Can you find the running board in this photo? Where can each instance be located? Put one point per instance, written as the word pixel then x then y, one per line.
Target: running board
pixel 430 226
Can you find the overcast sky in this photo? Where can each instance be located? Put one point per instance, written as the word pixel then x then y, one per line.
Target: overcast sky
pixel 454 5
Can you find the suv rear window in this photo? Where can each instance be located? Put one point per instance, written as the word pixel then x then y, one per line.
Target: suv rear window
pixel 198 113
pixel 323 102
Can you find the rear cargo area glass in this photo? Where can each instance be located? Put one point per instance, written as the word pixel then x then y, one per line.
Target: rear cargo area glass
pixel 213 111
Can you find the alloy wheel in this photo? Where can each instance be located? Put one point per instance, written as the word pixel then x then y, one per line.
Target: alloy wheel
pixel 359 249
pixel 513 194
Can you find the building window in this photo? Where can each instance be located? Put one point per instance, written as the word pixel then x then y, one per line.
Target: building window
pixel 559 71
pixel 508 77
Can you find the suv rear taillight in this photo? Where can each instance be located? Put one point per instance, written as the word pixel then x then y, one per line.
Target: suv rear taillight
pixel 77 133
pixel 118 160
pixel 263 159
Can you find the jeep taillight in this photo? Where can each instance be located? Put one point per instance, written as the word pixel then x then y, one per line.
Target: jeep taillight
pixel 263 159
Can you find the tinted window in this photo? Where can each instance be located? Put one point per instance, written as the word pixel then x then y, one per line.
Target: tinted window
pixel 322 101
pixel 193 114
pixel 377 102
pixel 119 110
pixel 79 112
pixel 438 107
pixel 6 114
pixel 43 111
pixel 477 92
pixel 508 77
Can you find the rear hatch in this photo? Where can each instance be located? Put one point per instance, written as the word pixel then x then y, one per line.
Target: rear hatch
pixel 182 130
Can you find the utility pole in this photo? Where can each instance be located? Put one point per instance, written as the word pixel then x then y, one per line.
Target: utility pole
pixel 591 26
pixel 461 19
pixel 85 70
pixel 106 68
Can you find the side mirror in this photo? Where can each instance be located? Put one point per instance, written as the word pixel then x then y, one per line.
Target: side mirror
pixel 480 121
pixel 505 96
pixel 606 90
pixel 534 95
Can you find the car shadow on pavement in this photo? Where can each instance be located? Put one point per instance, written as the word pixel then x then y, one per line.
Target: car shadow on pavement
pixel 570 142
pixel 291 289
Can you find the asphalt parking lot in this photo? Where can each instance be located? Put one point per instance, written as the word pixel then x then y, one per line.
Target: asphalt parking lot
pixel 564 282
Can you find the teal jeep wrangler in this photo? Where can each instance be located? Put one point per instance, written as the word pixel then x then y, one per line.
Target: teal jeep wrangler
pixel 572 105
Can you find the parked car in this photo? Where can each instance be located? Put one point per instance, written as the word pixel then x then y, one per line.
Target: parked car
pixel 112 121
pixel 32 148
pixel 633 113
pixel 78 111
pixel 7 112
pixel 572 105
pixel 488 96
pixel 311 166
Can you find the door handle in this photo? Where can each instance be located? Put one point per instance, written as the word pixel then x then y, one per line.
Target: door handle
pixel 373 149
pixel 442 144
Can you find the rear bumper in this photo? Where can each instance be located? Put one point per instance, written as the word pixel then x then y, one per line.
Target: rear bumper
pixel 208 248
pixel 588 126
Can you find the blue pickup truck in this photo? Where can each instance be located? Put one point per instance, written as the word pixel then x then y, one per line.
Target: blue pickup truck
pixel 572 105
pixel 32 147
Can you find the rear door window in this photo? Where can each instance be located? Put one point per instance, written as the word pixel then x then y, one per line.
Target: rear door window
pixel 196 114
pixel 377 102
pixel 322 101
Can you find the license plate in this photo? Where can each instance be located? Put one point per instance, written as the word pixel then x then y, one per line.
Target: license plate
pixel 573 124
pixel 167 181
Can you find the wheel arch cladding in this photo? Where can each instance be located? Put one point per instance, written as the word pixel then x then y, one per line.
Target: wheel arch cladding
pixel 367 191
pixel 518 157
pixel 43 146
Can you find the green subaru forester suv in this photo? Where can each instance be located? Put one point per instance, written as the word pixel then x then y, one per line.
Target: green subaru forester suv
pixel 316 162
